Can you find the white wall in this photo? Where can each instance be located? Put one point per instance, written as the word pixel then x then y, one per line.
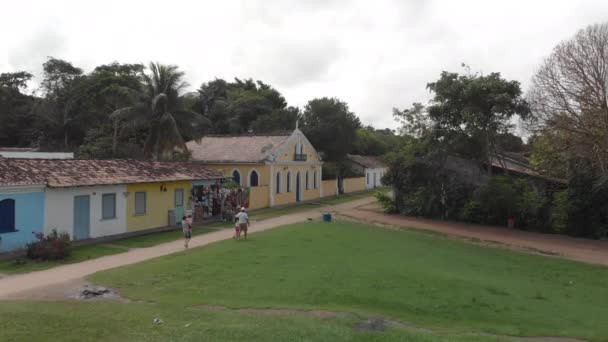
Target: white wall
pixel 369 177
pixel 59 209
pixel 37 155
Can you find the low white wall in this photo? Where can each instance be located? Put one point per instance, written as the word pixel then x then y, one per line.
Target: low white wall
pixel 37 155
pixel 369 176
pixel 59 209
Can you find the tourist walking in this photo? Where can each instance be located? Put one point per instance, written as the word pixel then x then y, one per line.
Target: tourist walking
pixel 187 230
pixel 243 221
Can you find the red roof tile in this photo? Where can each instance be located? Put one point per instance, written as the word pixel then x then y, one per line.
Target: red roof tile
pixel 371 162
pixel 81 172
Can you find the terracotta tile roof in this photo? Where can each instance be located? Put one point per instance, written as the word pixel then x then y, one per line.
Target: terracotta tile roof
pixel 371 162
pixel 81 172
pixel 236 149
pixel 512 165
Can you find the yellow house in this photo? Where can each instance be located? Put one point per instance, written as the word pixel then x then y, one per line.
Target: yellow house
pixel 162 199
pixel 278 169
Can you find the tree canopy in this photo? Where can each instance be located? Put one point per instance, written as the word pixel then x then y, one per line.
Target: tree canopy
pixel 331 126
pixel 569 97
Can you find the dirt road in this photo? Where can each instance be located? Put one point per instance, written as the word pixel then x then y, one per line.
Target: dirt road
pixel 589 251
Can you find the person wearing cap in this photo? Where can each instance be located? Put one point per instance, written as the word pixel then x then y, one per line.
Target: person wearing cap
pixel 243 221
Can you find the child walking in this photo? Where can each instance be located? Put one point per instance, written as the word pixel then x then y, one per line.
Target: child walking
pixel 187 230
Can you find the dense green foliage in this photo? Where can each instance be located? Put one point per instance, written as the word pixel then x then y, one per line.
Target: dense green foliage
pixel 428 280
pixel 479 107
pixel 133 111
pixel 244 106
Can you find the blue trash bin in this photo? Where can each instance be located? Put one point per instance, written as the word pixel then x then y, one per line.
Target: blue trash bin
pixel 327 217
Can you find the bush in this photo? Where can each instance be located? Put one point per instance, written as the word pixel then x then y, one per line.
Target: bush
pixel 386 201
pixel 498 199
pixel 559 216
pixel 55 246
pixel 472 212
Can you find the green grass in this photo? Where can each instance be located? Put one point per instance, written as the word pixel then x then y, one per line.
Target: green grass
pixel 426 279
pixel 116 322
pixel 79 253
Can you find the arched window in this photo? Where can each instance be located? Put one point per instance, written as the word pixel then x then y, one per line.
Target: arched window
pixel 314 177
pixel 7 216
pixel 288 181
pixel 253 178
pixel 307 182
pixel 236 177
pixel 278 182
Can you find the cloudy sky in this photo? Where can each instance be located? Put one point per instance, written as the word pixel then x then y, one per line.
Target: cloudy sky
pixel 375 55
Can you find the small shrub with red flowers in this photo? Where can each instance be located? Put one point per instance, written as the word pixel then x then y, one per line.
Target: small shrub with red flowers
pixel 54 246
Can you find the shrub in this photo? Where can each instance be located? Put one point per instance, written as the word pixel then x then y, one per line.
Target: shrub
pixel 472 212
pixel 559 216
pixel 55 246
pixel 499 199
pixel 386 201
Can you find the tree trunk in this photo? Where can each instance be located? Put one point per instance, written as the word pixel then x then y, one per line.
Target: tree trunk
pixel 114 138
pixel 488 155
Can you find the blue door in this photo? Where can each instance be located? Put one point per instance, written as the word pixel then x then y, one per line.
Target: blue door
pixel 7 215
pixel 82 218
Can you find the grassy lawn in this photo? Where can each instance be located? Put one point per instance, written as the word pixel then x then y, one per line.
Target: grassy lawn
pixel 452 287
pixel 429 280
pixel 79 253
pixel 115 322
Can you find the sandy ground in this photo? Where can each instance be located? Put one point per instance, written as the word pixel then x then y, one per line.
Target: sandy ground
pixel 589 251
pixel 59 281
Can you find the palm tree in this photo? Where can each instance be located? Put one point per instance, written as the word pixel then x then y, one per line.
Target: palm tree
pixel 161 111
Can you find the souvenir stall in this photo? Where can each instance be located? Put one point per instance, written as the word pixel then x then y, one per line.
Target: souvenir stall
pixel 219 199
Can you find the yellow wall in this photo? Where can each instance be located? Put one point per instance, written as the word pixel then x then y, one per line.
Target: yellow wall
pixel 258 197
pixel 244 170
pixel 330 187
pixel 354 184
pixel 288 153
pixel 290 197
pixel 158 204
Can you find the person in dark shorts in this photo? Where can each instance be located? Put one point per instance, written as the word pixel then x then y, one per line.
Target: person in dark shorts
pixel 243 221
pixel 187 230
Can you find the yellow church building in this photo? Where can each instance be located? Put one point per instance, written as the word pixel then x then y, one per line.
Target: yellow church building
pixel 278 169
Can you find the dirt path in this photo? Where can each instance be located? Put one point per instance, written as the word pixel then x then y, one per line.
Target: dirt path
pixel 589 251
pixel 37 284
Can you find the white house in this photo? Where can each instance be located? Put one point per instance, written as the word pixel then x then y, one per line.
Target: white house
pixel 373 168
pixel 105 207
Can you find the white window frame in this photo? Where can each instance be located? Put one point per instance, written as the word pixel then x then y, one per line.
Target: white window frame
pixel 145 203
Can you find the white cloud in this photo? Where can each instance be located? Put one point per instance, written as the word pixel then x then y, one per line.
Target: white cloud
pixel 375 55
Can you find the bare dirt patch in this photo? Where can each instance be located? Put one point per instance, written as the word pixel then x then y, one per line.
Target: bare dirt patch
pixel 369 324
